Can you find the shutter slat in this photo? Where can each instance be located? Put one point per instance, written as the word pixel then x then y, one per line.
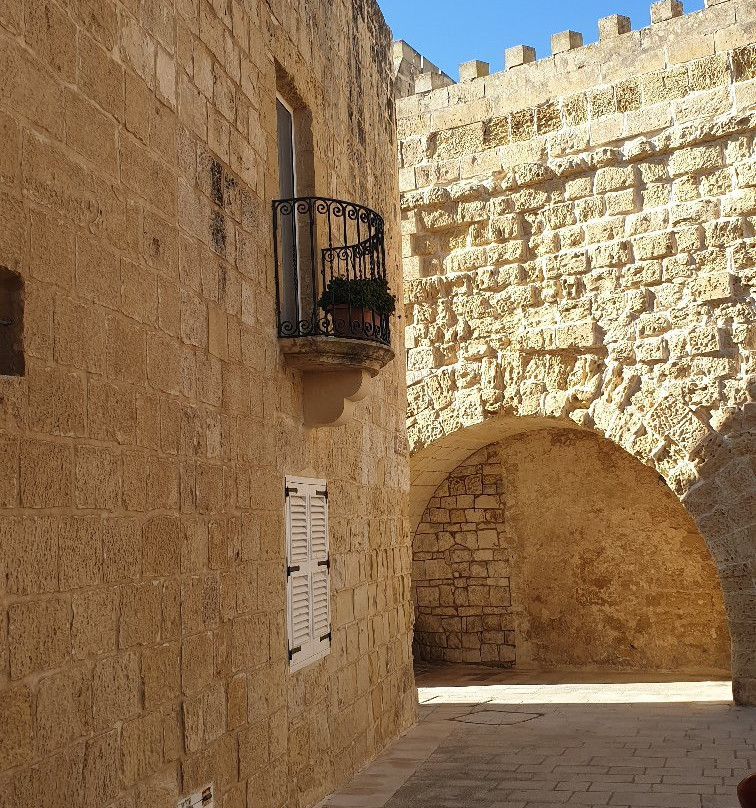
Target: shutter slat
pixel 320 603
pixel 297 528
pixel 319 526
pixel 301 616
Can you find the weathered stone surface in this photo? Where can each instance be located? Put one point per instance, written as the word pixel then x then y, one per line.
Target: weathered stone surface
pixel 143 453
pixel 632 254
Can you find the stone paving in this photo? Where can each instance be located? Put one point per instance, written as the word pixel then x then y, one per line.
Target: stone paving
pixel 502 739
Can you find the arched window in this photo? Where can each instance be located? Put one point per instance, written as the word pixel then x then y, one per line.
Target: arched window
pixel 11 323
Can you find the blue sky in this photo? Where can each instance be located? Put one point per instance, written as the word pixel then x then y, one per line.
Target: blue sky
pixel 449 32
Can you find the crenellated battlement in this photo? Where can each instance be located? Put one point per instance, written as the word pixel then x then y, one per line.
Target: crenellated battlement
pixel 413 73
pixel 672 38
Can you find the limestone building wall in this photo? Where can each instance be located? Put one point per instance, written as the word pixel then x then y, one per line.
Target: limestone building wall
pixel 578 240
pixel 142 454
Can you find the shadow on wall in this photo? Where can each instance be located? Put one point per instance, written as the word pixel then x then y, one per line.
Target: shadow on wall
pixel 609 568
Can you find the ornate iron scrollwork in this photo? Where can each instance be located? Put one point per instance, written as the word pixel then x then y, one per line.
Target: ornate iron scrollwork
pixel 330 263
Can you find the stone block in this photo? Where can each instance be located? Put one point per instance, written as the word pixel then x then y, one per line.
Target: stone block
pixel 80 551
pixel 164 363
pixel 98 482
pixel 53 251
pixel 468 71
pixel 666 10
pixel 100 779
pixel 162 484
pixel 57 402
pixel 254 751
pixel 652 350
pixel 519 55
pixel 161 675
pixel 565 41
pixel 46 474
pixel 95 621
pixel 63 709
pixel 710 72
pixel 101 78
pixel 694 159
pixel 744 62
pixel 31 555
pixel 197 664
pixel 13 221
pixel 171 625
pixel 141 614
pixel 52 35
pixel 613 26
pixel 111 412
pixel 575 336
pixel 712 287
pixel 79 336
pixel 236 709
pixel 97 139
pixel 426 82
pixel 98 274
pixel 214 712
pixel 655 245
pixel 121 549
pixel 39 635
pixel 115 690
pixel 161 546
pixel 16 741
pixel 141 747
pixel 162 790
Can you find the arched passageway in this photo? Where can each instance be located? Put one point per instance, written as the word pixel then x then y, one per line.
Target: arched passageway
pixel 555 549
pixel 714 509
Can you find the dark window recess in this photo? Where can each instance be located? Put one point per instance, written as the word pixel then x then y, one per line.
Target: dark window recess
pixel 11 323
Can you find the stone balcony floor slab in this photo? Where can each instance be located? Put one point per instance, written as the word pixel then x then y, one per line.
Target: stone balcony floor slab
pixel 563 738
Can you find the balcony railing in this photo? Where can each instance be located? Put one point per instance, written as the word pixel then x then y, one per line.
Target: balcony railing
pixel 330 260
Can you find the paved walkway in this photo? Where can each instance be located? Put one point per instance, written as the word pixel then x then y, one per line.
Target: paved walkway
pixel 499 739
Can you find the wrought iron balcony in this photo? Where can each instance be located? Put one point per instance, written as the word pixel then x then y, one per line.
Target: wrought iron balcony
pixel 332 302
pixel 330 270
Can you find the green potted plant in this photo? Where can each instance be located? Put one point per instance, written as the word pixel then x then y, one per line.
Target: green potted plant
pixel 357 306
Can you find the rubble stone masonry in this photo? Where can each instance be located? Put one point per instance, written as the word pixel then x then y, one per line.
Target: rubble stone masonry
pixel 579 241
pixel 143 451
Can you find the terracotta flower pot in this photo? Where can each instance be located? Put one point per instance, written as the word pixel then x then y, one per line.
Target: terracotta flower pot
pixel 353 322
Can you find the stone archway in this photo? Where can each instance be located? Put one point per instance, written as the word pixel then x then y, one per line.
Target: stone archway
pixel 553 549
pixel 717 489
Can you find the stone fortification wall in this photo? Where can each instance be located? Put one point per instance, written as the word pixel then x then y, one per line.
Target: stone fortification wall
pixel 143 648
pixel 579 249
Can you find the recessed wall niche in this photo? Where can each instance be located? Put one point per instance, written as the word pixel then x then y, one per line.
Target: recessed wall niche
pixel 11 323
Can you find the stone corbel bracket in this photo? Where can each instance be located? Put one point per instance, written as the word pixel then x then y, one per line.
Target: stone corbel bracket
pixel 336 374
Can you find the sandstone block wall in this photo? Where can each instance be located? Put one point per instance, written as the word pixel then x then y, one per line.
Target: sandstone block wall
pixel 579 246
pixel 587 561
pixel 143 453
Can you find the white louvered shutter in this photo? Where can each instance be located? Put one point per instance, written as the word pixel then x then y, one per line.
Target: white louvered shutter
pixel 308 571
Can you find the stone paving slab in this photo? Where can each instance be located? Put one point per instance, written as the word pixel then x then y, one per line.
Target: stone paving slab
pixel 582 741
